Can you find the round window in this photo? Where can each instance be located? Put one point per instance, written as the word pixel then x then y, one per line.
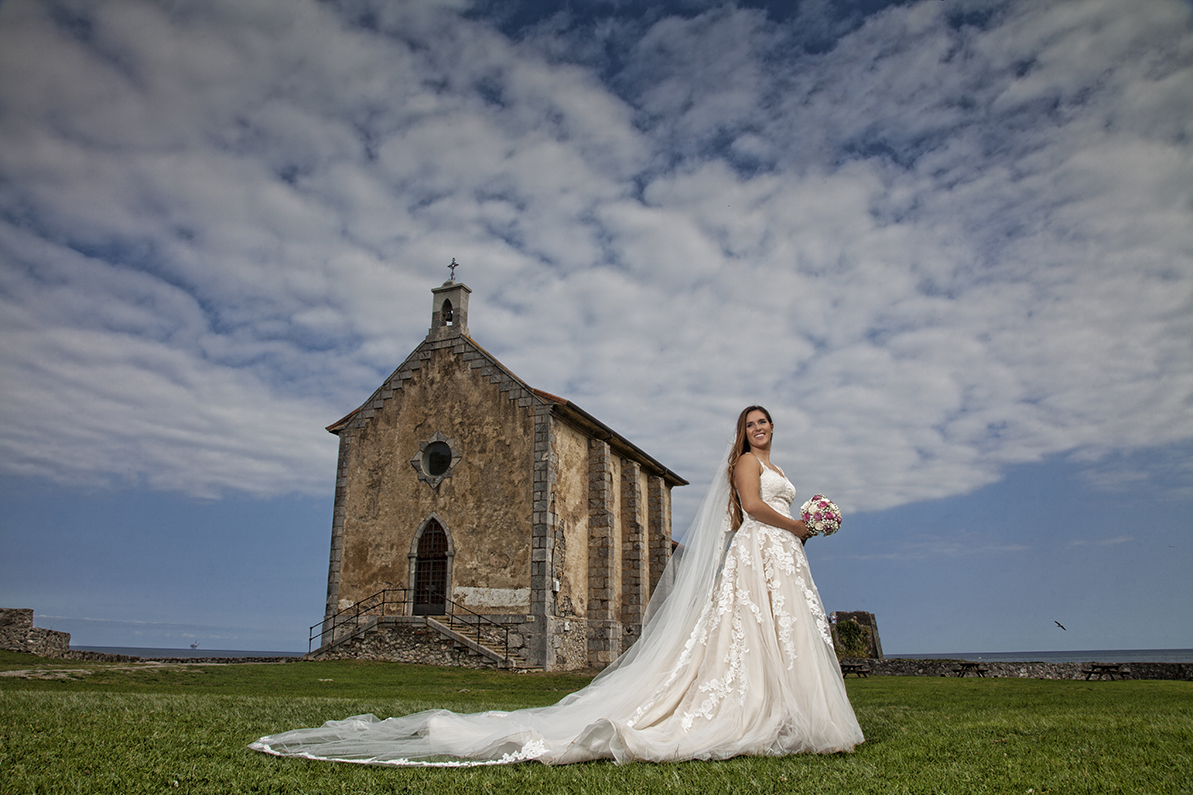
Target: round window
pixel 437 459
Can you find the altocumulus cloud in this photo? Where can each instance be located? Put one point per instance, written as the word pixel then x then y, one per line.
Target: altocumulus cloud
pixel 938 240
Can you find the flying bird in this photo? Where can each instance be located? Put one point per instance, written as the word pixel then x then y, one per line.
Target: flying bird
pixel 1062 626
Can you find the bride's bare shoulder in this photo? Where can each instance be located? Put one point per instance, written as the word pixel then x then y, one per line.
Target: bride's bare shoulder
pixel 747 464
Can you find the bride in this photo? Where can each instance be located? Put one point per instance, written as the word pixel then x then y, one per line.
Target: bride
pixel 735 657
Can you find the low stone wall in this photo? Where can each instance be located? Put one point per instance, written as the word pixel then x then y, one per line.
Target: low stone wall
pixel 48 642
pixel 17 633
pixel 219 660
pixel 98 656
pixel 1022 670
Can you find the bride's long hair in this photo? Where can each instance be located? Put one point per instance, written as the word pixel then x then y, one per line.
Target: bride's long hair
pixel 741 445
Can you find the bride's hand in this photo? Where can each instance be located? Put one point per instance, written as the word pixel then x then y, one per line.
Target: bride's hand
pixel 801 531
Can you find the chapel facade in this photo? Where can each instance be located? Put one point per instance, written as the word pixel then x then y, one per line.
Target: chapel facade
pixel 461 489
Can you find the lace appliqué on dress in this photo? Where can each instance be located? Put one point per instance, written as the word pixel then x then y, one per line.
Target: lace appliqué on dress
pixel 783 561
pixel 776 562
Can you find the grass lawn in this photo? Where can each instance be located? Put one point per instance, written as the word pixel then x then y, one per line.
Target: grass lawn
pixel 120 728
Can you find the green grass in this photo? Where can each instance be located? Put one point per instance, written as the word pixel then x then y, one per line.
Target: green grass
pixel 129 729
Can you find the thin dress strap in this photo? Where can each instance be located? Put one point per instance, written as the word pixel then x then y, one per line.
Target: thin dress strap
pixel 772 468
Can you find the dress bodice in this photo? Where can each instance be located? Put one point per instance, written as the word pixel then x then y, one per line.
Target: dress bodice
pixel 776 490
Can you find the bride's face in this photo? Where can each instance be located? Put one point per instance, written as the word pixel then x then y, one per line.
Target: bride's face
pixel 758 429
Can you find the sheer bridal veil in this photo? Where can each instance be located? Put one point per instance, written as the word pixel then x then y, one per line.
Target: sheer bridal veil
pixel 585 724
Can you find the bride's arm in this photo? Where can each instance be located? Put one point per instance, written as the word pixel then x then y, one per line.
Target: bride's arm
pixel 747 477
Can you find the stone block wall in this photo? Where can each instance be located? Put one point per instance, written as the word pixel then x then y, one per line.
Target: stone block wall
pixel 335 560
pixel 489 502
pixel 407 644
pixel 1021 670
pixel 659 534
pixel 17 633
pixel 634 572
pixel 869 625
pixel 604 632
pixel 569 642
pixel 544 523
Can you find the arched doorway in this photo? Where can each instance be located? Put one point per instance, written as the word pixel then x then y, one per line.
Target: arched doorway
pixel 430 571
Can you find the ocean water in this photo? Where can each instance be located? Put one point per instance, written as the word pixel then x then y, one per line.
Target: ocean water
pixel 200 652
pixel 1102 655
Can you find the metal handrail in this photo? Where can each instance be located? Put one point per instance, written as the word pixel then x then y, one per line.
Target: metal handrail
pixel 352 615
pixel 502 630
pixel 374 606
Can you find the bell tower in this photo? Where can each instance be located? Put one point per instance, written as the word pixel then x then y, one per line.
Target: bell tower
pixel 449 310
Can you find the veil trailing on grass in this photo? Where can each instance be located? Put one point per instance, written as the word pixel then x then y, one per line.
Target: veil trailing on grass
pixel 591 723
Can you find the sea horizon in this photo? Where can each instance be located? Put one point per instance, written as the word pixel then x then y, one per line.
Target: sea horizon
pixel 1089 655
pixel 142 651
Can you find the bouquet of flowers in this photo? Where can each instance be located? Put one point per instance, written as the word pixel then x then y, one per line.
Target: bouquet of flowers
pixel 821 515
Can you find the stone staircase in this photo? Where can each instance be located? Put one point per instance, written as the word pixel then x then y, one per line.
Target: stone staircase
pixel 482 647
pixel 491 651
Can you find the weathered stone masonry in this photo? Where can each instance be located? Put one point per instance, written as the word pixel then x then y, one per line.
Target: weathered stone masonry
pixel 604 636
pixel 17 633
pixel 659 524
pixel 542 533
pixel 554 520
pixel 634 574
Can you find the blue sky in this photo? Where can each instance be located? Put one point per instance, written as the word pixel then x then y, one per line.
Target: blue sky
pixel 948 243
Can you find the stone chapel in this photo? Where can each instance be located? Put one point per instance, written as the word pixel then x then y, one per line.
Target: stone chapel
pixel 464 495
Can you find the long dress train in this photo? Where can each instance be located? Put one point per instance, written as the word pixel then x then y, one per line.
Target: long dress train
pixel 755 673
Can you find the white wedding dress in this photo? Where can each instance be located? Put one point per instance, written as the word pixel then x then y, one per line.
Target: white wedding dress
pixel 749 670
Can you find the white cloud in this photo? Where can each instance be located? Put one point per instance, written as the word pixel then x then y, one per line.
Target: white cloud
pixel 1101 542
pixel 933 250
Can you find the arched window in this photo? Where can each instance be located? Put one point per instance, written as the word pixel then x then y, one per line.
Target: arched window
pixel 430 571
pixel 446 314
pixel 437 459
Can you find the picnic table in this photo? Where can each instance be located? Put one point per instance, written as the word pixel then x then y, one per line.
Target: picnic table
pixel 965 667
pixel 860 669
pixel 1103 670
